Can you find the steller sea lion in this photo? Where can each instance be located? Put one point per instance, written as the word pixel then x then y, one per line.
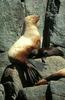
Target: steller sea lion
pixel 55 76
pixel 21 74
pixel 28 42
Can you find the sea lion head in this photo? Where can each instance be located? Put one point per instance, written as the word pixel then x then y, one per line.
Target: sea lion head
pixel 32 19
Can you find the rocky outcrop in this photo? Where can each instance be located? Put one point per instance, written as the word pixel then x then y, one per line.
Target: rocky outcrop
pixel 36 93
pixel 2 93
pixel 12 14
pixel 54 24
pixel 57 89
pixel 13 83
pixel 11 23
pixel 59 27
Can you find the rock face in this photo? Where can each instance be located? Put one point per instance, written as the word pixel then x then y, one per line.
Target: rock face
pixel 58 33
pixel 2 93
pixel 11 22
pixel 54 26
pixel 12 13
pixel 36 93
pixel 58 36
pixel 57 89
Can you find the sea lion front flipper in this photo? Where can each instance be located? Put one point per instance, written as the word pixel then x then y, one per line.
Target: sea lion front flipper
pixel 41 82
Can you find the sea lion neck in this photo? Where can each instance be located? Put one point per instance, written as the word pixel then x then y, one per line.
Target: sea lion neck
pixel 31 30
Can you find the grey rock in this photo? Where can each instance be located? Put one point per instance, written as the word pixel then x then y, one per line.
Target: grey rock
pixel 55 21
pixel 12 14
pixel 1 71
pixel 2 92
pixel 11 24
pixel 36 93
pixel 58 35
pixel 11 20
pixel 50 16
pixel 58 89
pixel 4 59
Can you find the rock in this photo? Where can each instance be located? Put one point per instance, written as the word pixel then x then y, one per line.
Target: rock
pixel 52 10
pixel 1 71
pixel 2 93
pixel 54 26
pixel 4 59
pixel 11 24
pixel 36 93
pixel 54 91
pixel 58 34
pixel 58 89
pixel 11 82
pixel 59 26
pixel 11 20
pixel 12 14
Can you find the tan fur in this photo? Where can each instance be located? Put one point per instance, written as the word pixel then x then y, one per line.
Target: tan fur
pixel 27 42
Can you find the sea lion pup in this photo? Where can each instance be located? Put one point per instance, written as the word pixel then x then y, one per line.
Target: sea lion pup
pixel 43 53
pixel 28 42
pixel 55 76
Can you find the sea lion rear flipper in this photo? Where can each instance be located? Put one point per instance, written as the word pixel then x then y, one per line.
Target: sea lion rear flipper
pixel 33 73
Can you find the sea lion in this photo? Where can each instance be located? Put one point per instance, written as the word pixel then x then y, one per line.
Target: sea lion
pixel 28 42
pixel 43 53
pixel 55 76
